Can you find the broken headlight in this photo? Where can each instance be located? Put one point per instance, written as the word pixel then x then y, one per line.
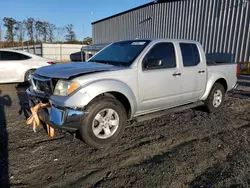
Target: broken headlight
pixel 64 87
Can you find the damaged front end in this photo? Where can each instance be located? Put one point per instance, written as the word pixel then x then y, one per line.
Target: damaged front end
pixel 56 115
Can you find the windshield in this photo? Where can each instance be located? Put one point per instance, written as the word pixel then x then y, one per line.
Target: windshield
pixel 121 53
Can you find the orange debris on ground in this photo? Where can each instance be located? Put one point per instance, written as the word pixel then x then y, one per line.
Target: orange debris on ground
pixel 35 121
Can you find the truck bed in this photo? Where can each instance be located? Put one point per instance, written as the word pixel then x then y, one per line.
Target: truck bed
pixel 216 63
pixel 226 70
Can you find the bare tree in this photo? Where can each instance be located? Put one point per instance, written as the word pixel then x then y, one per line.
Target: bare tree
pixel 30 27
pixel 51 29
pixel 36 30
pixel 45 30
pixel 9 23
pixel 1 31
pixel 60 31
pixel 70 36
pixel 39 30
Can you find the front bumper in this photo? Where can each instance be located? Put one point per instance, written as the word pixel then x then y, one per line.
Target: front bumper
pixel 56 116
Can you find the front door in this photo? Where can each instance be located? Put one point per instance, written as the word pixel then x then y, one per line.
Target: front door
pixel 159 86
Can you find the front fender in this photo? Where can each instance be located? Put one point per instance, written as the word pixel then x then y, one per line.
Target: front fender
pixel 90 91
pixel 214 77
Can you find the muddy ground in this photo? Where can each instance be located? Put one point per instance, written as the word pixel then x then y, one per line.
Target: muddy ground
pixel 187 149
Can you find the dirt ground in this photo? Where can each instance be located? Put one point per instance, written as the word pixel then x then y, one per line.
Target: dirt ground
pixel 186 149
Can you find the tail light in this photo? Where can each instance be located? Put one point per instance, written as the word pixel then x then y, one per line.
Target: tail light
pixel 51 62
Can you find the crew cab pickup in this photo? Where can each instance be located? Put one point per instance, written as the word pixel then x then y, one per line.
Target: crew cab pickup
pixel 127 80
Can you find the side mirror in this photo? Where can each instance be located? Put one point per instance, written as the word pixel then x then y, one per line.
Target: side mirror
pixel 153 63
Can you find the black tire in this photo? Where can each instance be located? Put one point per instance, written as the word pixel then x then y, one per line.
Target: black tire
pixel 86 131
pixel 209 102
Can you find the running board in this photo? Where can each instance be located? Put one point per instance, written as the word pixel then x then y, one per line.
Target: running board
pixel 167 111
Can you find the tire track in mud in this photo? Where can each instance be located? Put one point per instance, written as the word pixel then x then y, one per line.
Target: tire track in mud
pixel 34 144
pixel 167 154
pixel 177 150
pixel 148 145
pixel 157 159
pixel 80 180
pixel 223 174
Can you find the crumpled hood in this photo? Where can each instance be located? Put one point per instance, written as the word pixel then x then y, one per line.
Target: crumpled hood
pixel 68 70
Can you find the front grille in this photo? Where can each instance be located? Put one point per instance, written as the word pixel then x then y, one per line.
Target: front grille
pixel 42 85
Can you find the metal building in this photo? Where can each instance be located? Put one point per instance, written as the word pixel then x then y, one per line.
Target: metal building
pixel 222 26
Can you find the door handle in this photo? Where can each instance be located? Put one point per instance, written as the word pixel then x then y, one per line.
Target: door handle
pixel 201 71
pixel 177 74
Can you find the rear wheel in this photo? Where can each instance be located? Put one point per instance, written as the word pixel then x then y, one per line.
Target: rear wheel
pixel 104 123
pixel 216 98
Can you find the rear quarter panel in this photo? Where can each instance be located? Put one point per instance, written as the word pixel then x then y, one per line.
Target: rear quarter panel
pixel 215 72
pixel 37 63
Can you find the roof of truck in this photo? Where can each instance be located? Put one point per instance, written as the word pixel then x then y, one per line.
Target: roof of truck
pixel 156 39
pixel 97 47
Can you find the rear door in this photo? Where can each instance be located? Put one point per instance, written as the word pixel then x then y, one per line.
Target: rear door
pixel 193 72
pixel 12 68
pixel 159 87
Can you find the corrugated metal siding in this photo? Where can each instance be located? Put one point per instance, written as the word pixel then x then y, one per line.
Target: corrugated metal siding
pixel 222 26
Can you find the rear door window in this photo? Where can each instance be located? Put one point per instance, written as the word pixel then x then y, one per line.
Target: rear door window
pixel 12 56
pixel 190 54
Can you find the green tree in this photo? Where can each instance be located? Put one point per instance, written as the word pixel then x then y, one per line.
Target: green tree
pixel 30 27
pixel 9 23
pixel 20 30
pixel 70 36
pixel 43 30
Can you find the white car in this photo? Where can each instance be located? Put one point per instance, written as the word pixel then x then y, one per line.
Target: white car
pixel 15 66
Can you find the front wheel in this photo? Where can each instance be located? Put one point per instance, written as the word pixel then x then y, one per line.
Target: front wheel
pixel 103 123
pixel 216 98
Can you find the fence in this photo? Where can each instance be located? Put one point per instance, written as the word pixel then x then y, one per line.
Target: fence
pixel 59 52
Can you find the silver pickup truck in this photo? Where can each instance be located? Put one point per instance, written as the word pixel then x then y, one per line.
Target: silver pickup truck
pixel 127 80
